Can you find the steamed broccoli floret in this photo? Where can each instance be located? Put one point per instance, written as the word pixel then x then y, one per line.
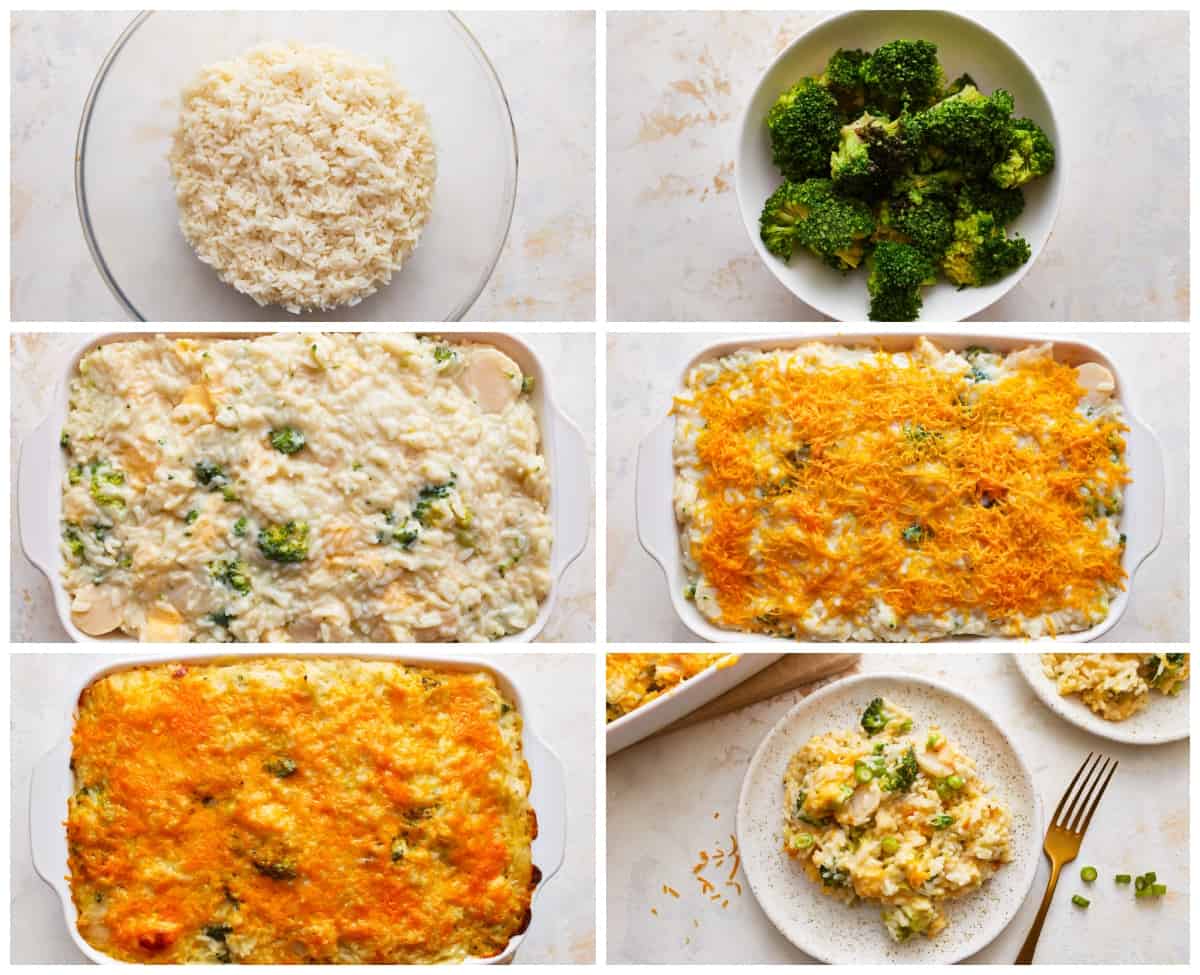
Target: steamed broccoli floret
pixel 103 478
pixel 843 77
pixel 964 80
pixel 901 776
pixel 969 130
pixel 875 717
pixel 898 272
pixel 872 151
pixel 812 215
pixel 903 76
pixel 981 253
pixel 804 124
pixel 232 573
pixel 1028 154
pixel 928 225
pixel 287 440
pixel 919 187
pixel 980 197
pixel 285 543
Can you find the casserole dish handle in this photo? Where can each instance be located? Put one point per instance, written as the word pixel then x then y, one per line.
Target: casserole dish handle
pixel 47 810
pixel 549 792
pixel 37 495
pixel 655 489
pixel 1146 534
pixel 573 493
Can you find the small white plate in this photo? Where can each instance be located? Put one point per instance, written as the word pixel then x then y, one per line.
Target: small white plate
pixel 829 930
pixel 1163 719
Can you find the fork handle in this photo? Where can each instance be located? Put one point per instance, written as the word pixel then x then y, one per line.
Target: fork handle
pixel 1025 957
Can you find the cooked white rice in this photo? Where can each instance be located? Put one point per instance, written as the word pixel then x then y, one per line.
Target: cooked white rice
pixel 304 174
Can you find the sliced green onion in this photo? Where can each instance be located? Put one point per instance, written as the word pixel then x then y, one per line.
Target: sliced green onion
pixel 1079 901
pixel 862 771
pixel 955 782
pixel 1150 876
pixel 889 845
pixel 1139 884
pixel 1158 889
pixel 802 841
pixel 932 741
pixel 1123 878
pixel 1088 874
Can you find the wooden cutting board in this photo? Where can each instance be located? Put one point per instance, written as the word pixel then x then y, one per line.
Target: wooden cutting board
pixel 792 671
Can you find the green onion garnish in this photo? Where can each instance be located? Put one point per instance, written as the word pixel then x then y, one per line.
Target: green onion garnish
pixel 1158 889
pixel 1079 901
pixel 1088 874
pixel 1123 878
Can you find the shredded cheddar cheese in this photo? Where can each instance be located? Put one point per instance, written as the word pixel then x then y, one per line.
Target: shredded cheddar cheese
pixel 851 493
pixel 299 810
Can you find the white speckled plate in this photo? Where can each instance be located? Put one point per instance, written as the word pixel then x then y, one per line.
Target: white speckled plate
pixel 1163 719
pixel 829 930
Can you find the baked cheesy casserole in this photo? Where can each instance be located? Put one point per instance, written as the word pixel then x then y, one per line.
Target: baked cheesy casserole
pixel 1116 686
pixel 847 493
pixel 299 810
pixel 882 813
pixel 303 488
pixel 634 679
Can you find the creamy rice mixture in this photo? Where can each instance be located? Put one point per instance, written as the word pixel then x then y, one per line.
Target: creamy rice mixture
pixel 304 487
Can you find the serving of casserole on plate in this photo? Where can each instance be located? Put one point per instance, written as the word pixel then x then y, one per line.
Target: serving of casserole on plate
pixel 923 806
pixel 885 489
pixel 298 809
pixel 319 487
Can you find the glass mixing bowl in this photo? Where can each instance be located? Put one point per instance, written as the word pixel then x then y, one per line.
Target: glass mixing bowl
pixel 127 200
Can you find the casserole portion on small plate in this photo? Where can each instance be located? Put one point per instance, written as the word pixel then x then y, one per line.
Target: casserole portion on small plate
pixel 882 488
pixel 1134 698
pixel 866 810
pixel 300 809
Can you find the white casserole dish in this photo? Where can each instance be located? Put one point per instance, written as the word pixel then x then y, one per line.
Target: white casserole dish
pixel 658 531
pixel 52 783
pixel 682 699
pixel 42 468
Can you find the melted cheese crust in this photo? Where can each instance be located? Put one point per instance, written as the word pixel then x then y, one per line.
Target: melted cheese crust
pixel 635 679
pixel 299 810
pixel 848 493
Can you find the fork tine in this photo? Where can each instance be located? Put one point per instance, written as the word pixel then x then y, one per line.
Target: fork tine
pixel 1078 792
pixel 1066 794
pixel 1096 804
pixel 1086 800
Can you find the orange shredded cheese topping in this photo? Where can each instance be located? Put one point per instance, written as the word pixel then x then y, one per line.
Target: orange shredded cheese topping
pixel 895 482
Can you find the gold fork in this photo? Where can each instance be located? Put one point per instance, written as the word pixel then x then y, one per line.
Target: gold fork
pixel 1065 834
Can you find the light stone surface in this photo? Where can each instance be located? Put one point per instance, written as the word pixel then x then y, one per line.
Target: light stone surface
pixel 546 270
pixel 677 83
pixel 671 796
pixel 643 370
pixel 560 694
pixel 39 361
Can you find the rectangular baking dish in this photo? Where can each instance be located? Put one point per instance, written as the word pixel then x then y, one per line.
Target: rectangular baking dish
pixel 683 699
pixel 42 468
pixel 1142 521
pixel 52 782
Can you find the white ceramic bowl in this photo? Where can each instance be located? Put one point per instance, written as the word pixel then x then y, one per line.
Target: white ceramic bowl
pixel 1163 719
pixel 658 531
pixel 833 932
pixel 683 699
pixel 126 199
pixel 52 783
pixel 42 468
pixel 963 45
